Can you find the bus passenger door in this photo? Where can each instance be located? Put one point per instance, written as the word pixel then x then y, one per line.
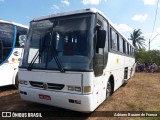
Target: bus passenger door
pixel 98 93
pixel 99 63
pixel 100 40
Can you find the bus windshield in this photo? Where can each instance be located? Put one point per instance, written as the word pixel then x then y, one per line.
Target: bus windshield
pixel 68 38
pixel 6 40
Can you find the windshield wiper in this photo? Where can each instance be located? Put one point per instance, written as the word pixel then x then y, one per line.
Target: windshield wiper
pixel 33 61
pixel 56 58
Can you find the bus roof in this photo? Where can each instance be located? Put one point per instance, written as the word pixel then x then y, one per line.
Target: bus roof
pixel 91 10
pixel 88 10
pixel 13 23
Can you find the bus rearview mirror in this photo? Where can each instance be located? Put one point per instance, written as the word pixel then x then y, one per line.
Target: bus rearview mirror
pixel 101 38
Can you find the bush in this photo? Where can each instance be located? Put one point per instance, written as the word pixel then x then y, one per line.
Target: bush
pixel 159 69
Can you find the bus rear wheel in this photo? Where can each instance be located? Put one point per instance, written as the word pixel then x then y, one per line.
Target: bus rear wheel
pixel 108 90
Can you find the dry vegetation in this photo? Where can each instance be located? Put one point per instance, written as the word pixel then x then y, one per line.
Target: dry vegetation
pixel 142 93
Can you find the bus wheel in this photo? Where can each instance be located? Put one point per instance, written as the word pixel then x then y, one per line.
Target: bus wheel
pixel 108 90
pixel 16 82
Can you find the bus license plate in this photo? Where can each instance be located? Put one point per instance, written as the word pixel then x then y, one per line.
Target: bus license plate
pixel 46 97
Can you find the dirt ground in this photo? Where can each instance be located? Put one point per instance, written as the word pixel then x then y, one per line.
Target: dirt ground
pixel 142 93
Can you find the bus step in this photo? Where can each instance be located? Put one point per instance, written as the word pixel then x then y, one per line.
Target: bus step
pixel 125 82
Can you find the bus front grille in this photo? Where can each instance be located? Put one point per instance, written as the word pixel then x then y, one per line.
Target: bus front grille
pixel 44 85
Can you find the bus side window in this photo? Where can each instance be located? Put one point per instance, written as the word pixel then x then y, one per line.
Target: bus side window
pixel 124 46
pixel 20 40
pixel 121 44
pixel 21 36
pixel 17 40
pixel 113 40
pixel 118 49
pixel 128 49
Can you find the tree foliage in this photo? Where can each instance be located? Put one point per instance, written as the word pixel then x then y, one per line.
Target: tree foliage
pixel 137 39
pixel 152 56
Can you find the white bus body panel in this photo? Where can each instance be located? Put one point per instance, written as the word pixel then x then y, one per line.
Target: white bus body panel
pixel 115 67
pixel 60 98
pixel 8 70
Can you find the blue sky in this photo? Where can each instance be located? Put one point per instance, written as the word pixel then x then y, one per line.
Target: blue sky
pixel 126 15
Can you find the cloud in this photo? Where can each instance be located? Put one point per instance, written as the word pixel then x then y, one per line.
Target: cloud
pixel 66 2
pixel 139 17
pixel 55 7
pixel 2 0
pixel 94 2
pixel 150 2
pixel 123 28
pixel 28 17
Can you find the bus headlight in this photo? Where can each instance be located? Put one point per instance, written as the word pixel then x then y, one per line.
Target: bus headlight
pixel 78 89
pixel 71 88
pixel 74 88
pixel 24 82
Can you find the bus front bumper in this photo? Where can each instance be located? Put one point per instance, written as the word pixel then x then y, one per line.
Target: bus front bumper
pixel 76 102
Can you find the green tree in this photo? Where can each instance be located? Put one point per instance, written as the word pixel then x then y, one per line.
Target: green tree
pixel 137 39
pixel 152 56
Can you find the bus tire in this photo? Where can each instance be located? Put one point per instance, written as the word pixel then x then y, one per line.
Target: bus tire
pixel 108 89
pixel 16 81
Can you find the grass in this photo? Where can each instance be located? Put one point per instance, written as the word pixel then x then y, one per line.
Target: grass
pixel 142 93
pixel 132 104
pixel 4 90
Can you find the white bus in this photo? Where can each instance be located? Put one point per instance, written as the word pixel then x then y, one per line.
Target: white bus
pixel 74 60
pixel 12 36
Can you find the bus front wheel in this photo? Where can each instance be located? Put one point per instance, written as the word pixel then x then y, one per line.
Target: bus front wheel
pixel 108 90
